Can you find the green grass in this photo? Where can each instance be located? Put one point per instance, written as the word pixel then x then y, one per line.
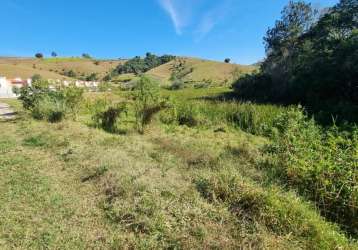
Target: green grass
pixel 64 59
pixel 71 186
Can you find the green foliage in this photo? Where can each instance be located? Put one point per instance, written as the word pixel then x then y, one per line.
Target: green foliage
pixel 92 77
pixel 39 55
pixel 280 213
pixel 35 141
pixel 36 78
pixel 188 114
pixel 86 56
pixel 70 73
pixel 309 62
pixel 50 104
pixel 322 166
pixel 179 70
pixel 138 65
pixel 108 118
pixel 147 102
pixel 251 118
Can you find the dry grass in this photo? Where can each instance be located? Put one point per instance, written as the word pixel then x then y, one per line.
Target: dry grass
pixel 217 72
pixel 53 67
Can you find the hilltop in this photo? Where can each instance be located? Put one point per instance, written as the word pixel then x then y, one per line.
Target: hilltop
pixel 55 68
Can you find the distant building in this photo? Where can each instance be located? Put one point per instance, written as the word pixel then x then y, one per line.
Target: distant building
pixel 7 86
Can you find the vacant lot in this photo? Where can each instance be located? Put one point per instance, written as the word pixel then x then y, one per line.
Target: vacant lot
pixel 69 185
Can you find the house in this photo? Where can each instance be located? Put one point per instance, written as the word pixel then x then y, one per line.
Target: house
pixel 7 86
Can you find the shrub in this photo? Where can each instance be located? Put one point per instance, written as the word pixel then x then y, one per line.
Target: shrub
pixel 188 114
pixel 92 77
pixel 108 119
pixel 147 102
pixel 177 84
pixel 51 108
pixel 52 105
pixel 322 166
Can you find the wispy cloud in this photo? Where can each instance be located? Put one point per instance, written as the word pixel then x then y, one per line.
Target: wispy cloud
pixel 211 18
pixel 170 8
pixel 196 14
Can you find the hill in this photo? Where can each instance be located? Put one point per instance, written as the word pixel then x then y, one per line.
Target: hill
pixel 54 68
pixel 217 73
pixel 203 70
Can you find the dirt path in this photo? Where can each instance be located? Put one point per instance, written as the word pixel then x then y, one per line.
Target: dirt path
pixel 6 112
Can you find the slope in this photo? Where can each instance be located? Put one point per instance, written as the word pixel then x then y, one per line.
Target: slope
pixel 218 73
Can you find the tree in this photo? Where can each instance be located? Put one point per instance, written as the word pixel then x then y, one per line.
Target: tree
pixel 86 55
pixel 54 54
pixel 36 78
pixel 311 60
pixel 39 55
pixel 147 102
pixel 138 65
pixel 227 60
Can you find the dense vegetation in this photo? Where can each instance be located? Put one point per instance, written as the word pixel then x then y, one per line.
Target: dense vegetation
pixel 51 104
pixel 311 59
pixel 139 65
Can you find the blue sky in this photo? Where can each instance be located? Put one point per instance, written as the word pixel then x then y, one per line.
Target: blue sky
pixel 212 29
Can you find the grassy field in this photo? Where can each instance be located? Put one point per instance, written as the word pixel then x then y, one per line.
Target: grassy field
pixel 69 185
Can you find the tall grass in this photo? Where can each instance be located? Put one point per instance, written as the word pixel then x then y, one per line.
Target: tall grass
pixel 251 118
pixel 321 164
pixel 281 213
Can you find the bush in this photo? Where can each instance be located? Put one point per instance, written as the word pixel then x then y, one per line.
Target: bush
pixel 147 102
pixel 51 108
pixel 108 119
pixel 188 114
pixel 177 84
pixel 52 105
pixel 322 166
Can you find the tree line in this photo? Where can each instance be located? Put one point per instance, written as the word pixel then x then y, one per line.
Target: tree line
pixel 138 65
pixel 311 58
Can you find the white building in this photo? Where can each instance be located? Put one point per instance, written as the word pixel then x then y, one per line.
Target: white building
pixel 7 86
pixel 6 90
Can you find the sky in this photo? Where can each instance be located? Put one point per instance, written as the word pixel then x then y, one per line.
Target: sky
pixel 211 29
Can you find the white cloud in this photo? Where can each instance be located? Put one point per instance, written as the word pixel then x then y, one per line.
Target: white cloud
pixel 195 14
pixel 168 6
